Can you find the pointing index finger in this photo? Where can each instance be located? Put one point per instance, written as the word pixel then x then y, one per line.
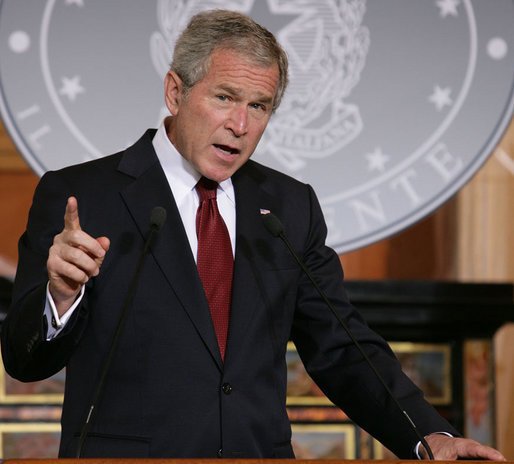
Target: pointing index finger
pixel 71 216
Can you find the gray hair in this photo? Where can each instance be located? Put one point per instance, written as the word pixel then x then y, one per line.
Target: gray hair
pixel 222 29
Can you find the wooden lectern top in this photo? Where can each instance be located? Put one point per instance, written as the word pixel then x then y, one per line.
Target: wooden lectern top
pixel 225 461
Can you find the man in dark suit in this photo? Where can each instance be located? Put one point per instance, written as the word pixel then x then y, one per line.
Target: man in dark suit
pixel 176 387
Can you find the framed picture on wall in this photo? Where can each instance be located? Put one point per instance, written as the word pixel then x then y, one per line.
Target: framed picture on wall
pixel 29 440
pixel 429 367
pixel 48 391
pixel 301 389
pixel 324 441
pixel 304 414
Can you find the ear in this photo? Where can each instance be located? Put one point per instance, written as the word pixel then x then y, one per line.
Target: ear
pixel 172 91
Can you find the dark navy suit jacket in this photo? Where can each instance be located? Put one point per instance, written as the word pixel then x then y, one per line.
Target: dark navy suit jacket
pixel 168 393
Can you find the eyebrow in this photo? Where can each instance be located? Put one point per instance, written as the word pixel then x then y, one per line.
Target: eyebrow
pixel 261 98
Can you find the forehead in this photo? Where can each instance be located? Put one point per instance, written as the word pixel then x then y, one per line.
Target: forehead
pixel 232 69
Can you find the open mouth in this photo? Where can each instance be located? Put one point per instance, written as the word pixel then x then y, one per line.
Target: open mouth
pixel 227 150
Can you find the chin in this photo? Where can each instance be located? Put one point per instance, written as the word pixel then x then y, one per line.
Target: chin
pixel 219 175
pixel 216 176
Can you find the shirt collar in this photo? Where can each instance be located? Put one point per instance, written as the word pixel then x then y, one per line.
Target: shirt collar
pixel 181 175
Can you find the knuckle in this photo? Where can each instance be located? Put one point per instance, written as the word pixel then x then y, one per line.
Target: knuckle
pixel 58 239
pixel 51 263
pixel 73 254
pixel 74 273
pixel 74 235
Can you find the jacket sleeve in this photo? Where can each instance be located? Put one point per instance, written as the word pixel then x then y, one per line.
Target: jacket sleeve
pixel 26 354
pixel 338 367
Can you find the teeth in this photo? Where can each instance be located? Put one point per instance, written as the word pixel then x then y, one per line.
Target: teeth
pixel 226 149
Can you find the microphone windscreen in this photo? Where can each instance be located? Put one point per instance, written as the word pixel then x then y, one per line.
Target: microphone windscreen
pixel 157 217
pixel 273 224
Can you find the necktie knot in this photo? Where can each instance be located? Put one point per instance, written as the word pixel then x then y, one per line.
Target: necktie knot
pixel 206 189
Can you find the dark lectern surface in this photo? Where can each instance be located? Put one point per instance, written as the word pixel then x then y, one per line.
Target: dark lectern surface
pixel 427 309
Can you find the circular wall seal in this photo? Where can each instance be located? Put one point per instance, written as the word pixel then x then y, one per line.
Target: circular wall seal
pixel 393 104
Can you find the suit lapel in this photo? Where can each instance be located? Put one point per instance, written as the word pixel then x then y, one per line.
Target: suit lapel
pixel 170 246
pixel 247 296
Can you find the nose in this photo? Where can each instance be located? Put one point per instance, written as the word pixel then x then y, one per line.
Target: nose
pixel 237 122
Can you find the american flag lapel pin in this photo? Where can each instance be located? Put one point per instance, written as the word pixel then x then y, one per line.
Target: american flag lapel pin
pixel 265 211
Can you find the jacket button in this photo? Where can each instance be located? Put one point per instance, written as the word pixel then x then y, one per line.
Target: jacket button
pixel 227 388
pixel 220 453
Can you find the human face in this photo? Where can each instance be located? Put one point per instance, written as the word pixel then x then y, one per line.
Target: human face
pixel 219 124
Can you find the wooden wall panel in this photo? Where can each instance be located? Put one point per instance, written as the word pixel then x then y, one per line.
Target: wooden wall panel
pixel 17 183
pixel 485 219
pixel 425 251
pixel 16 189
pixel 504 349
pixel 10 159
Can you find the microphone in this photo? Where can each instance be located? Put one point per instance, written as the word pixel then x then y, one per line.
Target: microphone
pixel 275 227
pixel 157 218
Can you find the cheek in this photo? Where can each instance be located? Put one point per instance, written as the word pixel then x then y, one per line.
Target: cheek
pixel 210 121
pixel 256 133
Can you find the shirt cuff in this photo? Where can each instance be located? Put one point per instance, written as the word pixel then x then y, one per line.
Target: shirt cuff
pixel 416 450
pixel 56 323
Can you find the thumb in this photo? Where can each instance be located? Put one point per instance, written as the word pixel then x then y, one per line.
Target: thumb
pixel 71 216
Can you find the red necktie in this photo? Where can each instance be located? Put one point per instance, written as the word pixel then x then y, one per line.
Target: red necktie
pixel 215 261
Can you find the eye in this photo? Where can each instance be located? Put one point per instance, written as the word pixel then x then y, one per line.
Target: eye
pixel 258 106
pixel 222 97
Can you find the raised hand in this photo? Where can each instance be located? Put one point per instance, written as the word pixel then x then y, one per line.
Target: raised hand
pixel 73 259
